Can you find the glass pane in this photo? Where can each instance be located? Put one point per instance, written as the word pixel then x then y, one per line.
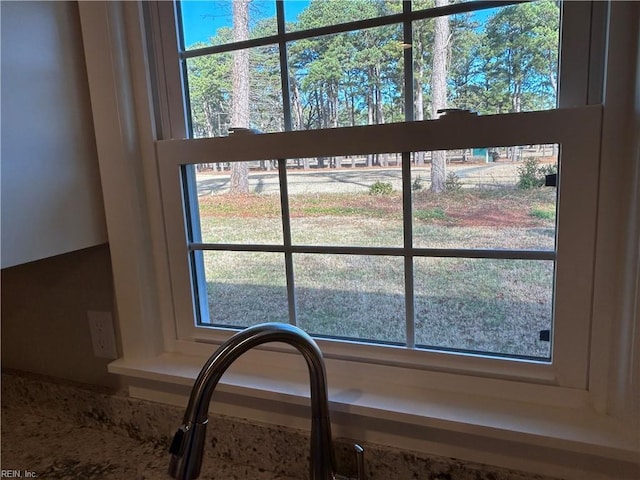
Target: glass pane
pixel 490 61
pixel 211 87
pixel 245 288
pixel 351 296
pixel 348 204
pixel 305 14
pixel 249 215
pixel 491 306
pixel 210 23
pixel 347 79
pixel 491 198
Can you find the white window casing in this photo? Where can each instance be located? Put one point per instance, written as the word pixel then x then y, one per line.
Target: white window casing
pixel 576 130
pixel 518 410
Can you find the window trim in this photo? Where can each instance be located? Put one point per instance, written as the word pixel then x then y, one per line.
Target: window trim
pixel 578 173
pixel 572 91
pixel 123 120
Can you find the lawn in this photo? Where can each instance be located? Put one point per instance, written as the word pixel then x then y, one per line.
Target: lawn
pixel 486 305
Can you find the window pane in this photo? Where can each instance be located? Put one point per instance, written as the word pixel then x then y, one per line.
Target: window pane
pixel 211 85
pixel 492 306
pixel 247 217
pixel 490 61
pixel 347 205
pixel 347 79
pixel 493 198
pixel 245 288
pixel 209 23
pixel 351 296
pixel 305 14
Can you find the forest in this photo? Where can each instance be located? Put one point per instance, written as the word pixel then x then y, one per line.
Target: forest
pixel 489 61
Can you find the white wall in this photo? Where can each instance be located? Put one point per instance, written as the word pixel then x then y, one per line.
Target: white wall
pixel 51 199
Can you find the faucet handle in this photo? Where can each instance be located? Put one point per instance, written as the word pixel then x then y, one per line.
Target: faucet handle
pixel 178 443
pixel 359 451
pixel 361 475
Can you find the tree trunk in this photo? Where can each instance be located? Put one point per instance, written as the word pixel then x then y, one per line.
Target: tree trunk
pixel 296 104
pixel 439 94
pixel 212 131
pixel 370 156
pixel 418 113
pixel 383 158
pixel 334 108
pixel 240 95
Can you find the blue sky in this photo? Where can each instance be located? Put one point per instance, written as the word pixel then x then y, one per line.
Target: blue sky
pixel 201 18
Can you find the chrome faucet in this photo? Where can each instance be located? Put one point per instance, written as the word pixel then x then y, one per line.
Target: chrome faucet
pixel 188 443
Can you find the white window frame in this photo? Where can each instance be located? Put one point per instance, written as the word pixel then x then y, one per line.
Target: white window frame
pixel 576 130
pixel 576 211
pixel 522 424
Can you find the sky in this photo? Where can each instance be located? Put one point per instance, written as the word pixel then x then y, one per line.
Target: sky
pixel 201 19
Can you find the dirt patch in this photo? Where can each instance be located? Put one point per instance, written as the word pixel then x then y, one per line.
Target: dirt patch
pixel 502 218
pixel 473 208
pixel 507 207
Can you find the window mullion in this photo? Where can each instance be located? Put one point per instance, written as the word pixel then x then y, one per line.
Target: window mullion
pixel 410 330
pixel 284 68
pixel 286 235
pixel 407 27
pixel 282 165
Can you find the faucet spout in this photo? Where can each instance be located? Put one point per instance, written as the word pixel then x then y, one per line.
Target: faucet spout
pixel 188 443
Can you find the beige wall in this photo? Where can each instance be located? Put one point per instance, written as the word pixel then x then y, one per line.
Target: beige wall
pixel 51 193
pixel 51 198
pixel 45 329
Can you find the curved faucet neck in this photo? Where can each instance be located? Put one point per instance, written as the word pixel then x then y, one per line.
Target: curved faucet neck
pixel 196 414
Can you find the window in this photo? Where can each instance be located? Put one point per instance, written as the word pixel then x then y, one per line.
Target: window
pixel 365 230
pixel 575 410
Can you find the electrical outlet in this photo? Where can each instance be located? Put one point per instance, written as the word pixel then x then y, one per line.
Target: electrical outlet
pixel 103 337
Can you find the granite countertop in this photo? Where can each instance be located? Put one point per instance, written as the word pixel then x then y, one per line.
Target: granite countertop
pixel 50 448
pixel 55 429
pixel 61 430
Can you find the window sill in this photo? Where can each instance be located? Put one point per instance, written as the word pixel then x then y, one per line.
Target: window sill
pixel 512 433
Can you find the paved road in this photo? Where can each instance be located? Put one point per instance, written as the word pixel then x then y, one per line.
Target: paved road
pixel 351 181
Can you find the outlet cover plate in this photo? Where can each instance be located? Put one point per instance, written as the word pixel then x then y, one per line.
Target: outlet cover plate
pixel 103 337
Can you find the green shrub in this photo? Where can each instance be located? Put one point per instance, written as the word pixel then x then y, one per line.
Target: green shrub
pixel 417 184
pixel 548 169
pixel 528 174
pixel 452 183
pixel 532 175
pixel 381 188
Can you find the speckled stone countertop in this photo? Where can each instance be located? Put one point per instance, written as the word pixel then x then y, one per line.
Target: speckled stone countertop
pixel 60 430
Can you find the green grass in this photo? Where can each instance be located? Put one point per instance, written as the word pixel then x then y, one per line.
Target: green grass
pixel 477 304
pixel 544 212
pixel 335 211
pixel 436 213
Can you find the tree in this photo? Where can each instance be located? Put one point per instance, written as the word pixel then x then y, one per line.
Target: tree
pixel 466 64
pixel 240 90
pixel 343 79
pixel 522 47
pixel 350 78
pixel 265 97
pixel 439 93
pixel 507 62
pixel 209 90
pixel 422 59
